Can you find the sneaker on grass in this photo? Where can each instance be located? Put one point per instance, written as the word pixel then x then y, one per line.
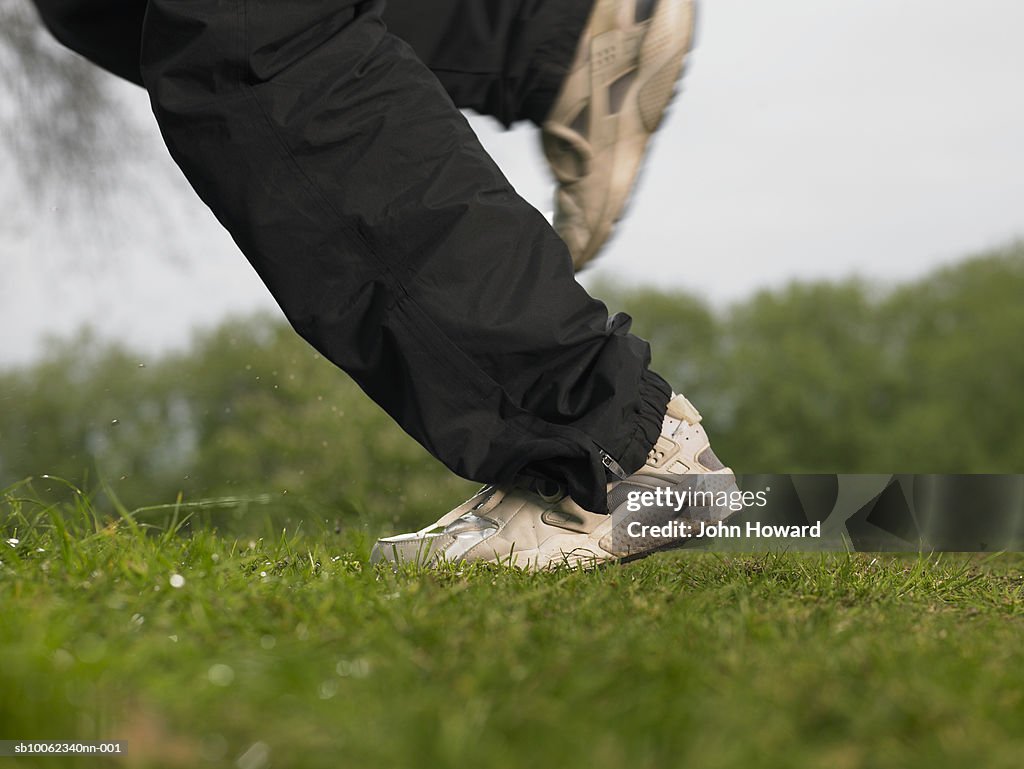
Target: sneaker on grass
pixel 663 505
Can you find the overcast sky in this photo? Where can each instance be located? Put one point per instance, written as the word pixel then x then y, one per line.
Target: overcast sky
pixel 811 140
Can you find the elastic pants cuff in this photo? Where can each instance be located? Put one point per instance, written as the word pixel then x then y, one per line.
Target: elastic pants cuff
pixel 655 394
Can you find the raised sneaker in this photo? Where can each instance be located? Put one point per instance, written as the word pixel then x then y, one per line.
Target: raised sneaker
pixel 630 57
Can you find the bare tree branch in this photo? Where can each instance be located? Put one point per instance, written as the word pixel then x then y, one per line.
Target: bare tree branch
pixel 56 116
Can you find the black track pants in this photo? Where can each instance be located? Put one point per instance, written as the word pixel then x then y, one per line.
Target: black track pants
pixel 394 245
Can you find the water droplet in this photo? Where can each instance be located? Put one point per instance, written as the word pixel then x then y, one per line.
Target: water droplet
pixel 13 541
pixel 220 674
pixel 138 619
pixel 328 689
pixel 177 580
pixel 115 422
pixel 268 642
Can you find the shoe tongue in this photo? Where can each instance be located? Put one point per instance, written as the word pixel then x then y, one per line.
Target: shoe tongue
pixel 670 424
pixel 567 152
pixel 680 411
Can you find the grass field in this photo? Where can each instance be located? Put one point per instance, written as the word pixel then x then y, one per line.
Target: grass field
pixel 203 649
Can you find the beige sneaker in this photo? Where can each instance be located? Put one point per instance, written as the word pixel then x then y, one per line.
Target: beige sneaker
pixel 682 488
pixel 630 56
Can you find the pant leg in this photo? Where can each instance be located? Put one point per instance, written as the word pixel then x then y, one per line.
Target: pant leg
pixel 106 32
pixel 504 58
